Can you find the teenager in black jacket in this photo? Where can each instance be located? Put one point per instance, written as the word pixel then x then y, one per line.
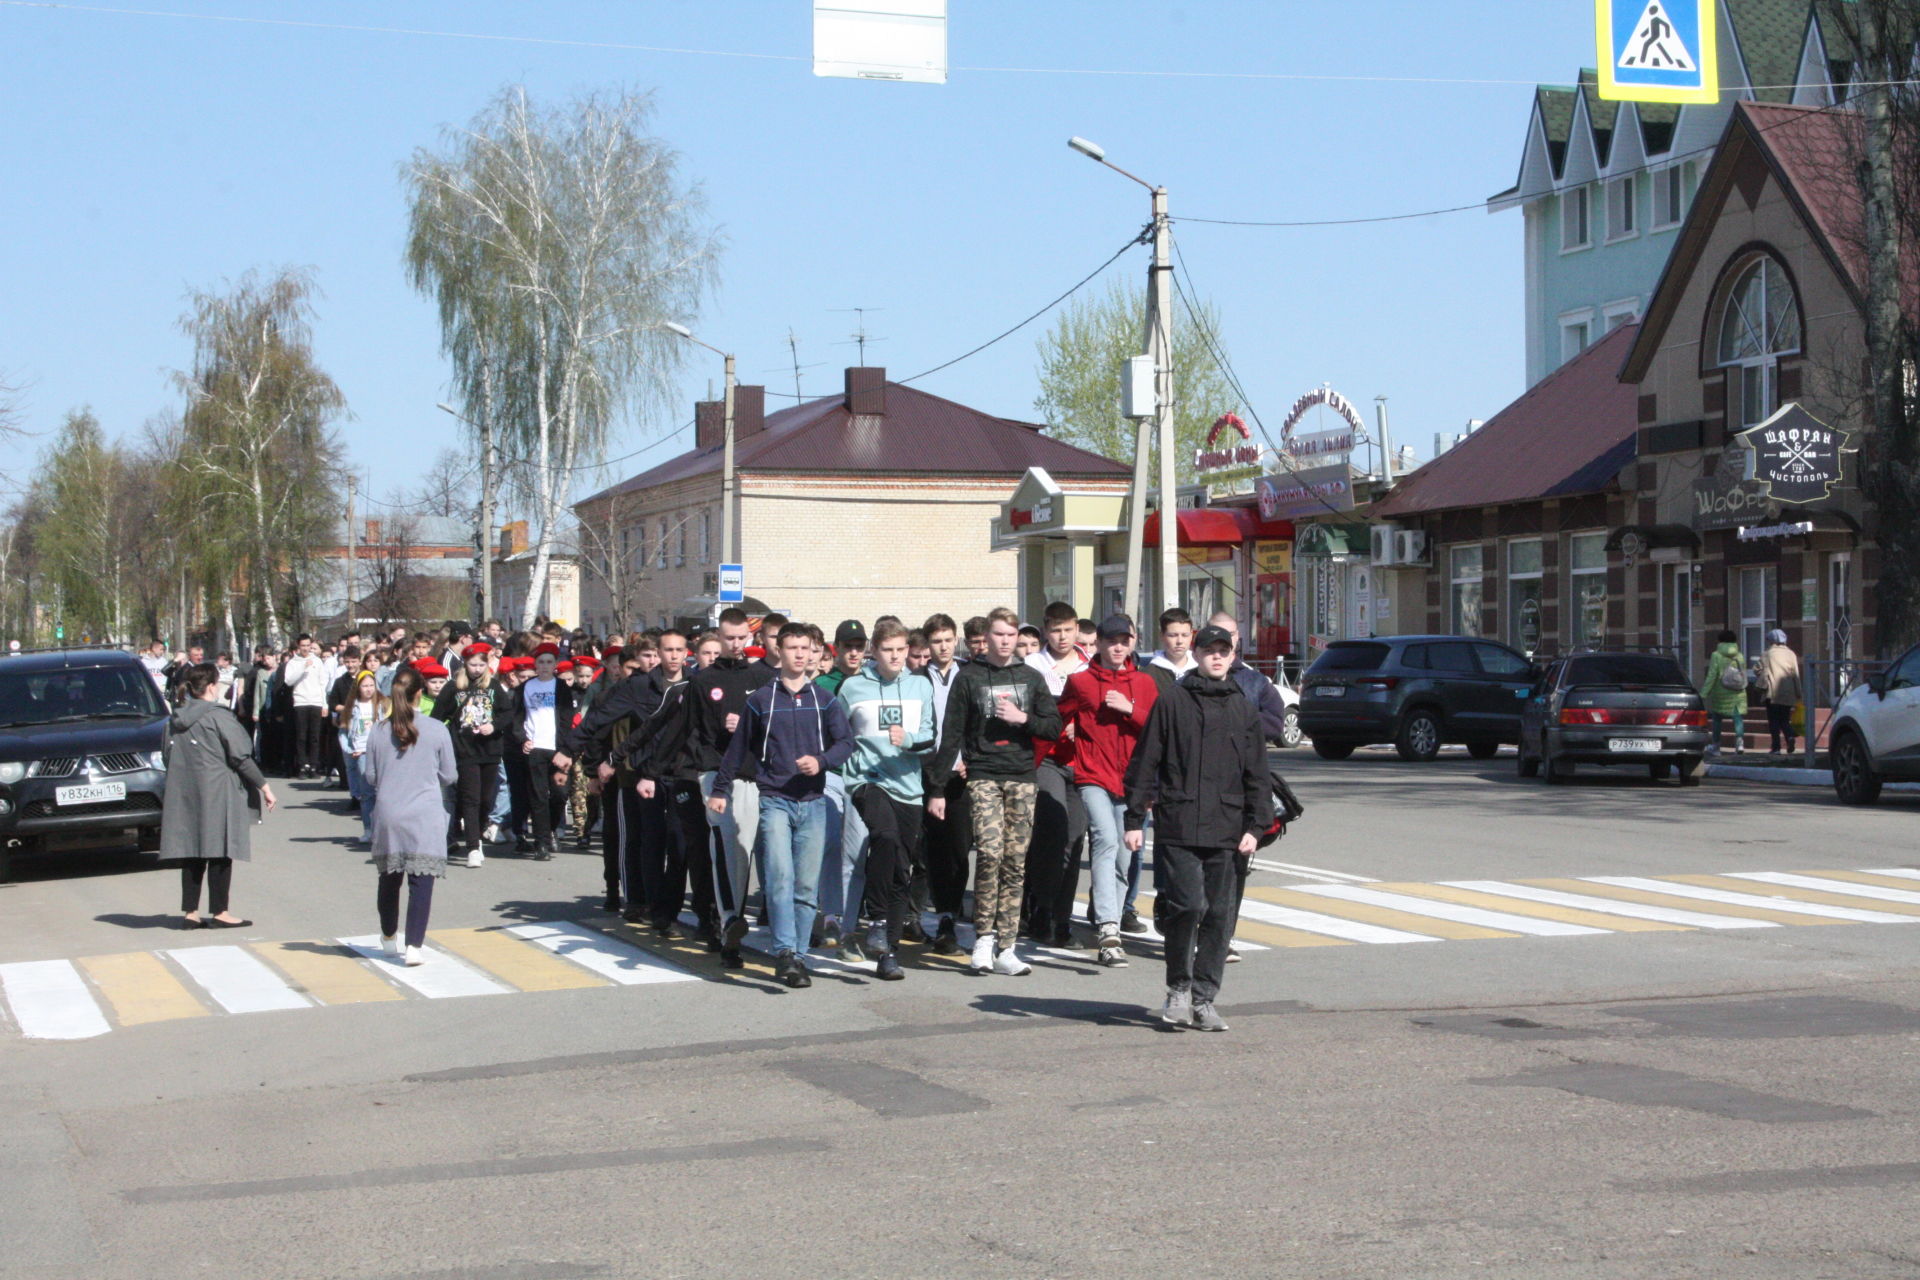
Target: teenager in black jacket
pixel 478 711
pixel 1201 768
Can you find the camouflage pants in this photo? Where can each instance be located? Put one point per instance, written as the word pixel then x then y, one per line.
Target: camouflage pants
pixel 582 806
pixel 1002 828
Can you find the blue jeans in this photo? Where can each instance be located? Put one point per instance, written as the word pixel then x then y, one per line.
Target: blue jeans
pixel 1106 833
pixel 357 787
pixel 793 836
pixel 502 801
pixel 843 868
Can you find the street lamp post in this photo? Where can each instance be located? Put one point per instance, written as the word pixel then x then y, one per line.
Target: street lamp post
pixel 483 519
pixel 726 451
pixel 1160 347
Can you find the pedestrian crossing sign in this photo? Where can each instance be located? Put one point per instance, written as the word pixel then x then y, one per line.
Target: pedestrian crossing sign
pixel 1658 50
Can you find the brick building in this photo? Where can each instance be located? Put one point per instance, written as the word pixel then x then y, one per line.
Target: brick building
pixel 880 499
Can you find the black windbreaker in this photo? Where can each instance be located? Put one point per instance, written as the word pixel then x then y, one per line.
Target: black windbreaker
pixel 994 748
pixel 1201 767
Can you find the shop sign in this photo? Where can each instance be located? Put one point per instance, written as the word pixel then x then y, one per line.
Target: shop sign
pixel 1727 499
pixel 1272 556
pixel 1322 395
pixel 1795 456
pixel 1322 446
pixel 1021 517
pixel 1229 462
pixel 1754 533
pixel 1205 555
pixel 1308 492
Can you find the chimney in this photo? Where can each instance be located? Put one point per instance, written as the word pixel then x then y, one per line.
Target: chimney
pixel 373 532
pixel 867 391
pixel 709 423
pixel 749 411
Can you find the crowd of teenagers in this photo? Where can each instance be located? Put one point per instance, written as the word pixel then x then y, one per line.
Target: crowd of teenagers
pixel 862 783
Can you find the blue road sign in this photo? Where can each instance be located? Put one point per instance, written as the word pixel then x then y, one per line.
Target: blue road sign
pixel 1658 50
pixel 733 583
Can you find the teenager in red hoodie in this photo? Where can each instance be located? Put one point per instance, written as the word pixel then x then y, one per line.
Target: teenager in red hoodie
pixel 1105 708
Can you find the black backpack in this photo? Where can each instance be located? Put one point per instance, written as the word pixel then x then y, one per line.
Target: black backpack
pixel 1286 810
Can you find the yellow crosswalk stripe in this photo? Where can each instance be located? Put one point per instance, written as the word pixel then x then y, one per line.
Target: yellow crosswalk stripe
pixel 1366 913
pixel 688 952
pixel 1276 935
pixel 1537 910
pixel 1794 893
pixel 328 972
pixel 1699 905
pixel 1866 877
pixel 514 961
pixel 141 988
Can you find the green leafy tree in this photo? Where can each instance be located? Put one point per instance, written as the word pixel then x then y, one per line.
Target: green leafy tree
pixel 83 480
pixel 1081 359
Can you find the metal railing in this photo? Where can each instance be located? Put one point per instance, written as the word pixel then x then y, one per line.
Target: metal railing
pixel 1823 683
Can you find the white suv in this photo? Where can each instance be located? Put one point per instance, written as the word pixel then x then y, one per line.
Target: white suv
pixel 1876 732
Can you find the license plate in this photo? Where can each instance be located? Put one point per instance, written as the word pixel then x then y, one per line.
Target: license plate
pixel 1330 691
pixel 93 793
pixel 1633 744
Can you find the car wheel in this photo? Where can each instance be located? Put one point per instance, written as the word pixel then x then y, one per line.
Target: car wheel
pixel 1483 750
pixel 1692 770
pixel 1419 737
pixel 1332 750
pixel 1854 780
pixel 1555 770
pixel 1290 728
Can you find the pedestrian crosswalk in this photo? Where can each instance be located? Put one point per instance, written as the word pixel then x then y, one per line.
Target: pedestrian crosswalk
pixel 93 995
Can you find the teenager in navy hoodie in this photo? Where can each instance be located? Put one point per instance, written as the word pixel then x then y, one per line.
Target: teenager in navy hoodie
pixel 791 734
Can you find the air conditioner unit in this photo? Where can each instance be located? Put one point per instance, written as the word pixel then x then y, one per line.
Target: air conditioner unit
pixel 1382 542
pixel 1410 547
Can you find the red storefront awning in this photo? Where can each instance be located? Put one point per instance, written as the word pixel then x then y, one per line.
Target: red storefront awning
pixel 1217 527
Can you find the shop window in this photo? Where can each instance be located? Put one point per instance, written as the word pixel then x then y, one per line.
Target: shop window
pixel 1587 573
pixel 1525 569
pixel 1759 593
pixel 1576 230
pixel 1464 564
pixel 1760 323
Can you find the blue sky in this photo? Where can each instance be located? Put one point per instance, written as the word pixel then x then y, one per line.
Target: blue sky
pixel 147 155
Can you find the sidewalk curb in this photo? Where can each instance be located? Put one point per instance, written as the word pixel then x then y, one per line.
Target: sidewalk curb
pixel 1786 777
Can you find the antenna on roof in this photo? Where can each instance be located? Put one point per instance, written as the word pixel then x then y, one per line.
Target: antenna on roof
pixel 793 346
pixel 860 334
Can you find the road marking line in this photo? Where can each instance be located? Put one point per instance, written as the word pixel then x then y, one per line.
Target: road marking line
pixel 1681 889
pixel 1898 873
pixel 1332 926
pixel 1846 888
pixel 684 949
pixel 1296 869
pixel 1613 922
pixel 1677 902
pixel 50 1001
pixel 1145 907
pixel 1565 893
pixel 1365 912
pixel 1881 878
pixel 141 989
pixel 237 979
pixel 1495 921
pixel 442 977
pixel 328 972
pixel 518 963
pixel 609 957
pixel 1273 935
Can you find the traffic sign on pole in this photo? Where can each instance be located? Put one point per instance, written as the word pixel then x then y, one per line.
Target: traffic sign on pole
pixel 733 584
pixel 1658 50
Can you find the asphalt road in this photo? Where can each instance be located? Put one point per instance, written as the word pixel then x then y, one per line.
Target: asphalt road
pixel 1609 1095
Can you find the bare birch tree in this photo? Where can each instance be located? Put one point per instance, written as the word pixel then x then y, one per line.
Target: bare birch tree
pixel 557 242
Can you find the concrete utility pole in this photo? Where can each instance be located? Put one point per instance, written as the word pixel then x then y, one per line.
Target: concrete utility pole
pixel 1883 235
pixel 483 519
pixel 353 550
pixel 1160 348
pixel 726 448
pixel 1386 441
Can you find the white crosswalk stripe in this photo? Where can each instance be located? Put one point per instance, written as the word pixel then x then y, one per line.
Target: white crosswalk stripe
pixel 50 1001
pixel 441 978
pixel 608 957
pixel 1734 899
pixel 1449 911
pixel 1331 926
pixel 237 979
pixel 1608 906
pixel 1822 885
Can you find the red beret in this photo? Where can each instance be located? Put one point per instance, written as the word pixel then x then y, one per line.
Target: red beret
pixel 588 661
pixel 548 647
pixel 612 649
pixel 478 649
pixel 564 666
pixel 512 664
pixel 430 669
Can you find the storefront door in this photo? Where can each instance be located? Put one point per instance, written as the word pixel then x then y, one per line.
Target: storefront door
pixel 1271 604
pixel 1676 614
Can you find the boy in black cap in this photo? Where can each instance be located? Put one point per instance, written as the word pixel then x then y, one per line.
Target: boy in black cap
pixel 1201 767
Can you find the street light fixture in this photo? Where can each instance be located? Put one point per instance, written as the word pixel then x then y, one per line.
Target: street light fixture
pixel 726 457
pixel 489 465
pixel 1160 347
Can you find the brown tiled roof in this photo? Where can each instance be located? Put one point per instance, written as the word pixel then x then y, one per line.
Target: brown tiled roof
pixel 920 434
pixel 1571 433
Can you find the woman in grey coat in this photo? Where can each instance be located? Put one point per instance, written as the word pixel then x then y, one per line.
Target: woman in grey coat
pixel 212 782
pixel 409 764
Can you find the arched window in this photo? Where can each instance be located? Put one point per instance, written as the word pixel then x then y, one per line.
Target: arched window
pixel 1760 323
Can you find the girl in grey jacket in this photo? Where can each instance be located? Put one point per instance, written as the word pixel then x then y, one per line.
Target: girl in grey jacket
pixel 409 764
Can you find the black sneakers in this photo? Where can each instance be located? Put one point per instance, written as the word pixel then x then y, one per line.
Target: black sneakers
pixel 1130 923
pixel 791 971
pixel 888 969
pixel 945 943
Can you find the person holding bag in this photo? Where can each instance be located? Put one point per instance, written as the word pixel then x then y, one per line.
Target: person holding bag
pixel 409 763
pixel 213 785
pixel 1780 686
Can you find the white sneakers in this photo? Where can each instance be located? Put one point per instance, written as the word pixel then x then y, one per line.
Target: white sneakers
pixel 475 858
pixel 1010 965
pixel 415 956
pixel 982 961
pixel 390 943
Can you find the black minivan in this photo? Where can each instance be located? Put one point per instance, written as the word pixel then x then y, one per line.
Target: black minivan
pixel 1416 692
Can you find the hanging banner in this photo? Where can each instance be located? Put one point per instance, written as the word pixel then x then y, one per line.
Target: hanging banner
pixel 1658 50
pixel 1795 456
